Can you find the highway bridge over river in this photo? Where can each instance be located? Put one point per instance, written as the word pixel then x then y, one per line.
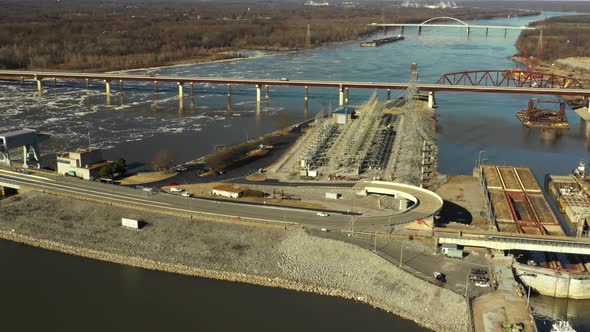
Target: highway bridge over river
pixel 501 82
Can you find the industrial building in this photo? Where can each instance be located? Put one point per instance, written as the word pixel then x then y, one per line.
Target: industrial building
pixel 227 191
pixel 82 163
pixel 343 115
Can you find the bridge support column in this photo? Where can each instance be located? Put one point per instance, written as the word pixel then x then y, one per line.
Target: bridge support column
pixel 258 93
pixel 505 33
pixel 156 86
pixel 267 91
pixel 419 31
pixel 487 30
pixel 107 85
pixel 388 94
pixel 229 90
pixel 22 80
pixel 347 90
pixel 306 93
pixel 87 83
pixel 341 96
pixel 39 85
pixel 402 30
pixel 468 31
pixel 121 85
pixel 430 99
pixel 54 82
pixel 180 89
pixel 192 88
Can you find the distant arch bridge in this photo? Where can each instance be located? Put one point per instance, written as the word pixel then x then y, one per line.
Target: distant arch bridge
pixel 458 24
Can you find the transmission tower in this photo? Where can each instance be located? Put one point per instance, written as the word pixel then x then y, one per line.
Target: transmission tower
pixel 308 37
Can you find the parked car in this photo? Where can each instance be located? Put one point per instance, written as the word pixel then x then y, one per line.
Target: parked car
pixel 478 271
pixel 440 276
pixel 186 194
pixel 23 171
pixel 176 190
pixel 322 214
pixel 482 284
pixel 172 184
pixel 181 169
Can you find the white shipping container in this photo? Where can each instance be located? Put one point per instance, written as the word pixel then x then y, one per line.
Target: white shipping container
pixel 332 195
pixel 131 223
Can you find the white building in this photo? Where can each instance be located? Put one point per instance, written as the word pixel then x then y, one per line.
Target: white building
pixel 227 191
pixel 82 163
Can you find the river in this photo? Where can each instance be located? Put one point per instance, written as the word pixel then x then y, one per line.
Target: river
pixel 137 123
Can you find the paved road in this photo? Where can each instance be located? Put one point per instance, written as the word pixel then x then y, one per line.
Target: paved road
pixel 195 206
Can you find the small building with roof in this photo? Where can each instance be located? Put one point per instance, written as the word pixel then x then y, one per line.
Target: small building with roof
pixel 82 163
pixel 227 191
pixel 25 138
pixel 343 115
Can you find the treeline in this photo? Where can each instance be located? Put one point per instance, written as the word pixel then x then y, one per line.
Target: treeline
pixel 138 34
pixel 563 36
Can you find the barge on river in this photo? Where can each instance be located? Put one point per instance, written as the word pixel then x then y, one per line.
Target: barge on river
pixel 379 42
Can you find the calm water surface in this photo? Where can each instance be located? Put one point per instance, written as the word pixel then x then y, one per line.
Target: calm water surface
pixel 138 123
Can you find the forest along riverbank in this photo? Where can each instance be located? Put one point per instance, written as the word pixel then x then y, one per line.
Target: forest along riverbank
pixel 276 258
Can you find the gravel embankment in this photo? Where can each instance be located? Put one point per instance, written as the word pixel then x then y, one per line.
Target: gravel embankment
pixel 270 257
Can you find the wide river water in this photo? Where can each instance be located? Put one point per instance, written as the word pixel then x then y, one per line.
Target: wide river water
pixel 68 293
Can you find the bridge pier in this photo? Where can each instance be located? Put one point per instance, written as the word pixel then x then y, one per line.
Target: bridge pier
pixel 180 89
pixel 487 29
pixel 306 93
pixel 192 88
pixel 430 99
pixel 341 96
pixel 54 82
pixel 7 191
pixel 107 84
pixel 419 30
pixel 388 94
pixel 267 91
pixel 402 30
pixel 156 86
pixel 258 93
pixel 39 85
pixel 468 31
pixel 22 80
pixel 347 90
pixel 87 83
pixel 505 33
pixel 229 90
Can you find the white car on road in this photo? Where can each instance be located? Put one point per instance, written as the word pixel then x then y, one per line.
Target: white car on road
pixel 322 214
pixel 176 190
pixel 186 194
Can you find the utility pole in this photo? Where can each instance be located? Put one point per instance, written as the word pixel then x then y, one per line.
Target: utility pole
pixel 308 37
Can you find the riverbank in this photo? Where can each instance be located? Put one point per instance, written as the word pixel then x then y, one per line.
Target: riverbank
pixel 274 258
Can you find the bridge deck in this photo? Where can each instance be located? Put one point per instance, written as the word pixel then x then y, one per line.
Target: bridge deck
pixel 439 25
pixel 18 74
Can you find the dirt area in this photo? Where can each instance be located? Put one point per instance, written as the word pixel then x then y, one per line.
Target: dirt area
pixel 143 178
pixel 528 180
pixel 492 177
pixel 464 201
pixel 542 210
pixel 271 257
pixel 569 67
pixel 509 178
pixel 500 204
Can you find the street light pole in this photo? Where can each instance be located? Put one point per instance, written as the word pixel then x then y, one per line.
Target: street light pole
pixel 466 284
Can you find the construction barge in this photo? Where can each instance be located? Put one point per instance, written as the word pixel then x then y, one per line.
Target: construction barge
pixel 537 117
pixel 379 42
